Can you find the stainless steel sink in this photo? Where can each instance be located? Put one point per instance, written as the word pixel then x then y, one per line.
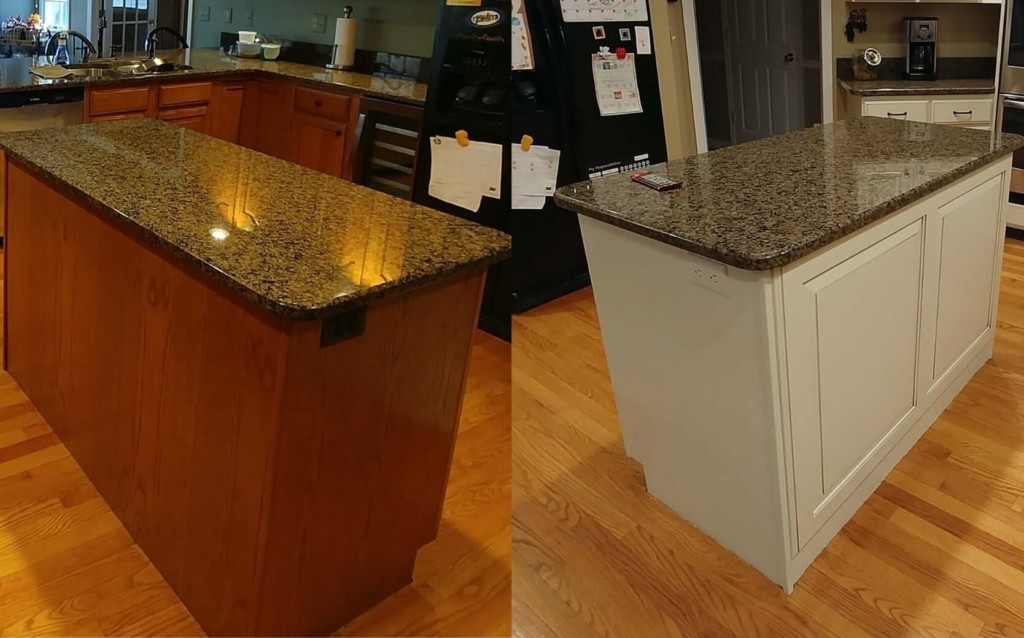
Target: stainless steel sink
pixel 109 68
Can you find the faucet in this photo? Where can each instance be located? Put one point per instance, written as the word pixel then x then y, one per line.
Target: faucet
pixel 102 28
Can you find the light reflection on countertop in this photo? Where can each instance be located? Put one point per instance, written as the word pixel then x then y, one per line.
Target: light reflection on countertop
pixel 299 243
pixel 767 203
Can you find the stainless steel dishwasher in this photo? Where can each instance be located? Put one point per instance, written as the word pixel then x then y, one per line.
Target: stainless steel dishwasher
pixel 41 108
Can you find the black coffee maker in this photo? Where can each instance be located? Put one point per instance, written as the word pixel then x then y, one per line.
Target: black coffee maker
pixel 922 53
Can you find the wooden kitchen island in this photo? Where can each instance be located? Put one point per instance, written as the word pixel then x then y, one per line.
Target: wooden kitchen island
pixel 782 329
pixel 259 367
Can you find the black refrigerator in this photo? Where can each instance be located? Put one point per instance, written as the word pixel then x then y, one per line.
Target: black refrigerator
pixel 469 91
pixel 556 104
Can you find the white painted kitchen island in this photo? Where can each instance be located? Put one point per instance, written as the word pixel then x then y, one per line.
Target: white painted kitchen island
pixel 783 329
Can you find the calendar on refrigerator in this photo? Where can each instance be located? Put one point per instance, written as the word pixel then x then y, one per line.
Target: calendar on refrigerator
pixel 604 10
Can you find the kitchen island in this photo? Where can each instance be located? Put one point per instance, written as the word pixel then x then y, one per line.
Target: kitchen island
pixel 260 367
pixel 782 329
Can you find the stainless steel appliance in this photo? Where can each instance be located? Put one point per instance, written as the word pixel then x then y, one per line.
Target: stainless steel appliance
pixel 1012 77
pixel 1010 119
pixel 41 108
pixel 922 52
pixel 1010 113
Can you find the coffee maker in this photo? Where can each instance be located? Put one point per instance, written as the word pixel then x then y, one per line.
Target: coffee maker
pixel 922 54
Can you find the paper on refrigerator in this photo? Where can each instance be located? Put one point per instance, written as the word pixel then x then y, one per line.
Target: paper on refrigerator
pixel 464 175
pixel 522 46
pixel 615 84
pixel 534 176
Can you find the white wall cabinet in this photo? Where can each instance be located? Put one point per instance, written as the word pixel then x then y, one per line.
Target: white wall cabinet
pixel 778 400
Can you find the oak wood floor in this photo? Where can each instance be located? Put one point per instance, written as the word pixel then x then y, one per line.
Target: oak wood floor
pixel 938 550
pixel 68 567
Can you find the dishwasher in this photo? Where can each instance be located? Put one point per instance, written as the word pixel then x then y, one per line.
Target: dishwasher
pixel 42 108
pixel 35 109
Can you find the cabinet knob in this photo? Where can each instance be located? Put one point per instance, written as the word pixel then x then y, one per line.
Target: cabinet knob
pixel 338 133
pixel 318 103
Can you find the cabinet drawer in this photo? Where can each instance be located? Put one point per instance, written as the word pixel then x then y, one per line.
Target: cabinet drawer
pixel 190 93
pixel 962 111
pixel 118 101
pixel 329 105
pixel 916 111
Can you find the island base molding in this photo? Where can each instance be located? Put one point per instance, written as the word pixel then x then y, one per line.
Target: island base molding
pixel 767 406
pixel 280 487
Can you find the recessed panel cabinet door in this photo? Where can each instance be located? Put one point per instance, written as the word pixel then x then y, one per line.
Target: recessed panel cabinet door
pixel 966 237
pixel 852 324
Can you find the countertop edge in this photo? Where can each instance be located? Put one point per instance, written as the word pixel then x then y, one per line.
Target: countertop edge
pixel 280 310
pixel 911 92
pixel 782 259
pixel 208 73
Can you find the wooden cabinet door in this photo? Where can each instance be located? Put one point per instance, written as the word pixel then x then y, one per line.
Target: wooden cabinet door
pixel 195 118
pixel 965 240
pixel 318 143
pixel 101 103
pixel 226 111
pixel 266 112
pixel 853 318
pixel 138 115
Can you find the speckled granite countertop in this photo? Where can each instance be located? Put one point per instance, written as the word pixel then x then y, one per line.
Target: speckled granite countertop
pixel 15 76
pixel 767 203
pixel 301 244
pixel 891 88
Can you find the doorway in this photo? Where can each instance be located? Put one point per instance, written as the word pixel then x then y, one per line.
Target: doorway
pixel 756 68
pixel 129 22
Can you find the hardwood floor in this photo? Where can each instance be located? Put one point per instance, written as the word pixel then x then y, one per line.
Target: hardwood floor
pixel 68 567
pixel 938 550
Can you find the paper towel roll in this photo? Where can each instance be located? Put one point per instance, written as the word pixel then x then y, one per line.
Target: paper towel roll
pixel 345 42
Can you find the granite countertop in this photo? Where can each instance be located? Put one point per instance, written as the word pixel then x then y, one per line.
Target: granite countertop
pixel 767 203
pixel 301 244
pixel 15 76
pixel 889 88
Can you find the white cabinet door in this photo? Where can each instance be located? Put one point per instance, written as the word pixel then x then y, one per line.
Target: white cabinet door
pixel 964 239
pixel 852 333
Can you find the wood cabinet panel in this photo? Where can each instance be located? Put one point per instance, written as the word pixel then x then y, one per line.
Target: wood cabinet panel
pixel 187 93
pixel 265 114
pixel 226 111
pixel 137 115
pixel 194 118
pixel 330 105
pixel 108 101
pixel 847 399
pixel 318 143
pixel 967 236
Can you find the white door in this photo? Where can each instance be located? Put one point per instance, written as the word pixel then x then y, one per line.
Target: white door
pixel 766 77
pixel 130 22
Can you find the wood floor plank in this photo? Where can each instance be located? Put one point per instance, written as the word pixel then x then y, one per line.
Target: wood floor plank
pixel 935 552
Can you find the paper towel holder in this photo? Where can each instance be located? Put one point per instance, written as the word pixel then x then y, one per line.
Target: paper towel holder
pixel 346 12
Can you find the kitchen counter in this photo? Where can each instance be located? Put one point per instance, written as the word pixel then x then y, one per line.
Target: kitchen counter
pixel 892 88
pixel 782 330
pixel 259 367
pixel 298 243
pixel 15 76
pixel 767 203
